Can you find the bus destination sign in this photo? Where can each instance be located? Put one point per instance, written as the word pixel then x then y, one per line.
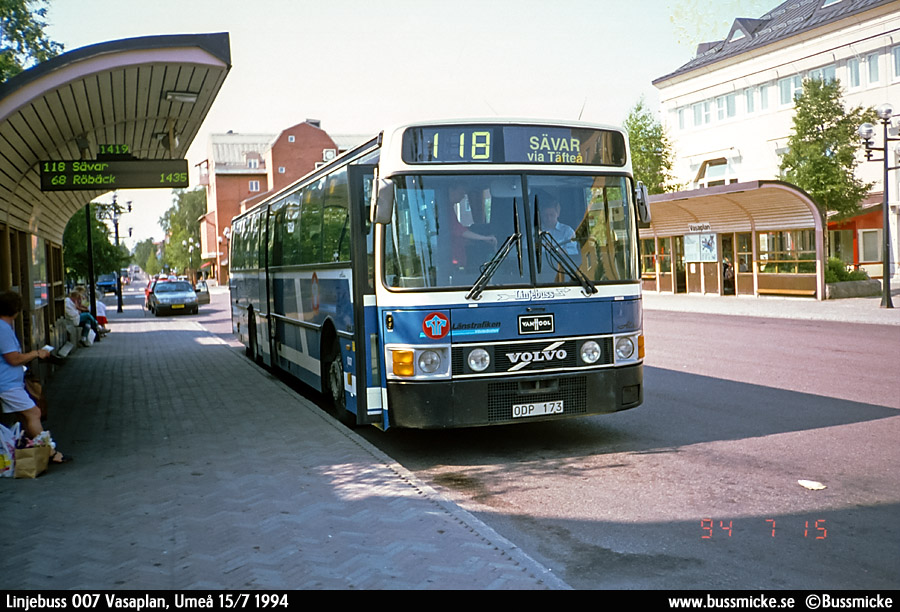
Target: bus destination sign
pixel 513 144
pixel 112 174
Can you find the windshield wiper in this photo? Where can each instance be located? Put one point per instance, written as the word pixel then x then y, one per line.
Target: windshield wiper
pixel 555 251
pixel 490 268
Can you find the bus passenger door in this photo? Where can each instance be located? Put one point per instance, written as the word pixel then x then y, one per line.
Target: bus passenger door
pixel 368 366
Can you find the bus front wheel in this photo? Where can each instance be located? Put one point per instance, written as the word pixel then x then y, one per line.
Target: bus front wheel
pixel 334 388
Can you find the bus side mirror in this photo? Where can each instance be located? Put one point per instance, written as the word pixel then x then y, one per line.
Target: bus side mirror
pixel 642 199
pixel 383 210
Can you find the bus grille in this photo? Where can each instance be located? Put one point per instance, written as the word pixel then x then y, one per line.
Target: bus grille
pixel 502 395
pixel 519 357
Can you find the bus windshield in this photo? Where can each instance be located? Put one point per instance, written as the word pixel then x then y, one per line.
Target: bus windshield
pixel 446 227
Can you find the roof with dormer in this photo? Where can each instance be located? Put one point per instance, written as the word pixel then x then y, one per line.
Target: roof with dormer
pixel 786 20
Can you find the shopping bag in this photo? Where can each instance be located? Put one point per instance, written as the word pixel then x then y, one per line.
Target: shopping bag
pixel 91 336
pixel 8 439
pixel 30 462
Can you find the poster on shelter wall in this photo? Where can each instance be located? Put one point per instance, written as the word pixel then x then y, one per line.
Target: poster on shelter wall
pixel 700 248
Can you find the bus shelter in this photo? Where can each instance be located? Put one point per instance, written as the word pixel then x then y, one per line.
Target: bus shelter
pixel 754 238
pixel 145 96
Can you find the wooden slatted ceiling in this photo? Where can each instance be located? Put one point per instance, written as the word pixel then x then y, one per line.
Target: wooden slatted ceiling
pixel 742 207
pixel 112 93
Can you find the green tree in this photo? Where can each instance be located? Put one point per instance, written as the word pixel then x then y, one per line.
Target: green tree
pixel 22 38
pixel 651 151
pixel 107 258
pixel 142 251
pixel 821 157
pixel 152 266
pixel 181 224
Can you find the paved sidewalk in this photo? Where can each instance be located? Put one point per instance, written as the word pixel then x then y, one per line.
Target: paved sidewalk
pixel 195 469
pixel 849 310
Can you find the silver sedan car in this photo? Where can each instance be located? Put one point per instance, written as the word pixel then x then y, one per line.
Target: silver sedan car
pixel 172 297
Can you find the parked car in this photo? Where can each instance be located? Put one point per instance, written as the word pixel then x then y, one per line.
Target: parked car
pixel 106 283
pixel 172 297
pixel 202 291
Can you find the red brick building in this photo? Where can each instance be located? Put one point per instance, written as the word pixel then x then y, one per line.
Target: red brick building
pixel 241 167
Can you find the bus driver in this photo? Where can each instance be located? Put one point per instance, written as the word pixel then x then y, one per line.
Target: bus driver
pixel 561 232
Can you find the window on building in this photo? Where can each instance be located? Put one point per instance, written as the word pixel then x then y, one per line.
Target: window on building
pixel 648 258
pixel 254 185
pixel 281 170
pixel 744 252
pixel 763 97
pixel 726 106
pixel 665 255
pixel 749 100
pixel 872 65
pixel 828 74
pixel 870 247
pixel 713 173
pixel 788 89
pixel 787 252
pixel 895 57
pixel 840 245
pixel 252 163
pixel 853 75
pixel 291 138
pixel 681 119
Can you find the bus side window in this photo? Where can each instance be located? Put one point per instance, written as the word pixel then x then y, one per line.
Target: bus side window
pixel 311 224
pixel 336 235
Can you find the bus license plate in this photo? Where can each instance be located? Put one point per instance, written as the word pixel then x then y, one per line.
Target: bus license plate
pixel 538 409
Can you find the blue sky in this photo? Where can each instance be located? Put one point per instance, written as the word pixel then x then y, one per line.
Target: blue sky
pixel 359 65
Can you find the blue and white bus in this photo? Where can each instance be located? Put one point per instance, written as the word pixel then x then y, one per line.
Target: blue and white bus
pixel 453 274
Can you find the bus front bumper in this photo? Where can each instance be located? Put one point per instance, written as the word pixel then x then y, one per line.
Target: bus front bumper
pixel 496 401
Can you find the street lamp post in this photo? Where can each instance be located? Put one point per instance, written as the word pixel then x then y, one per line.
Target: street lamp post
pixel 867 133
pixel 112 212
pixel 189 245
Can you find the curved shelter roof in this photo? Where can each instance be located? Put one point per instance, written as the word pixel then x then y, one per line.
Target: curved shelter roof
pixel 130 92
pixel 739 207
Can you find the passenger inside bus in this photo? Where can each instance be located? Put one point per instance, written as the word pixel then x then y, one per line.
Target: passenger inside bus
pixel 459 209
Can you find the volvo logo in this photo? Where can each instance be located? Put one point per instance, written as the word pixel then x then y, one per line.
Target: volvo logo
pixel 524 359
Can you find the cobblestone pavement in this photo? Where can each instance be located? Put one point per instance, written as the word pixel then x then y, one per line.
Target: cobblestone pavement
pixel 195 469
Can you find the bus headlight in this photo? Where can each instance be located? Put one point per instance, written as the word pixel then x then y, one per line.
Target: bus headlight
pixel 429 362
pixel 590 352
pixel 479 360
pixel 624 347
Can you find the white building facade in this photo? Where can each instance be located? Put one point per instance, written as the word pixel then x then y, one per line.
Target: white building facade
pixel 729 110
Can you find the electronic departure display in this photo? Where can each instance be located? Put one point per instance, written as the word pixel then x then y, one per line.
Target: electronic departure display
pixel 111 174
pixel 517 144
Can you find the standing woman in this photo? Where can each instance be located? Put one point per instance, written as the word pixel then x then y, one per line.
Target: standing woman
pixel 13 396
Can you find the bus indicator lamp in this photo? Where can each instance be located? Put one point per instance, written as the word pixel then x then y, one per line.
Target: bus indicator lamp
pixel 479 360
pixel 590 352
pixel 404 363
